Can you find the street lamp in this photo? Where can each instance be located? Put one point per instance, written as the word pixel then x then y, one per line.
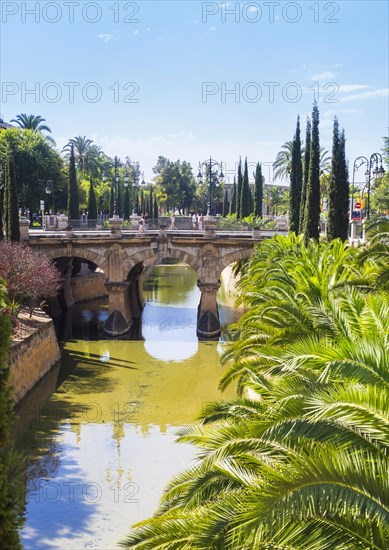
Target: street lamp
pixel 136 187
pixel 357 164
pixel 114 186
pixel 50 191
pixel 126 213
pixel 378 173
pixel 213 178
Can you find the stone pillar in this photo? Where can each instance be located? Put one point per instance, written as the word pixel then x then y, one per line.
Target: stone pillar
pixel 209 225
pixel 116 226
pixel 67 287
pixel 24 225
pixel 62 221
pixel 256 233
pixel 120 318
pixel 208 323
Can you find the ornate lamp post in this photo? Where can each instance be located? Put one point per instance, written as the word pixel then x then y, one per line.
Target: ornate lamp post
pixel 136 187
pixel 50 191
pixel 378 173
pixel 126 213
pixel 357 164
pixel 211 168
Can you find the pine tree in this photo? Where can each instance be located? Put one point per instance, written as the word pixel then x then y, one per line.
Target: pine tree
pixel 73 202
pixel 338 203
pixel 12 229
pixel 307 152
pixel 312 206
pixel 233 198
pixel 258 191
pixel 226 204
pixel 239 190
pixel 296 182
pixel 92 204
pixel 245 199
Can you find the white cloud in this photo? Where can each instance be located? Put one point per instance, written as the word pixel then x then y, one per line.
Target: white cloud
pixel 372 94
pixel 105 37
pixel 347 88
pixel 324 75
pixel 135 32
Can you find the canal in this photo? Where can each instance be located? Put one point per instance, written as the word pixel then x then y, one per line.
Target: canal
pixel 99 431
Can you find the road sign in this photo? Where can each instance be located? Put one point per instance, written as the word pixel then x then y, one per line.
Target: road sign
pixel 357 206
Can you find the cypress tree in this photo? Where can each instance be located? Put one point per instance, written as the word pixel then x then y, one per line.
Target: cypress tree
pixel 338 203
pixel 142 202
pixel 119 207
pixel 12 229
pixel 312 206
pixel 239 190
pixel 245 199
pixel 112 200
pixel 233 198
pixel 307 152
pixel 92 204
pixel 151 203
pixel 155 215
pixel 126 212
pixel 226 204
pixel 258 191
pixel 73 202
pixel 296 182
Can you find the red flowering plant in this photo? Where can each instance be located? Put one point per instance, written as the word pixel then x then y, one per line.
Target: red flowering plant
pixel 29 278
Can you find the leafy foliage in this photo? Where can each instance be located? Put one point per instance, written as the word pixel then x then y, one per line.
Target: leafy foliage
pixel 300 458
pixel 29 277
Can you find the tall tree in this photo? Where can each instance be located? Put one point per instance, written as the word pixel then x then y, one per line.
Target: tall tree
pixel 283 163
pixel 73 201
pixel 155 214
pixel 11 209
pixel 226 204
pixel 92 204
pixel 245 193
pixel 239 189
pixel 258 191
pixel 34 123
pixel 80 145
pixel 312 206
pixel 296 182
pixel 338 196
pixel 126 210
pixel 233 198
pixel 307 151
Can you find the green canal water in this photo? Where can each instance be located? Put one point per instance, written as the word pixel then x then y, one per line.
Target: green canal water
pixel 99 431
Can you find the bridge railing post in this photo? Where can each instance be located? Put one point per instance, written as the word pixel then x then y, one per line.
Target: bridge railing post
pixel 256 233
pixel 116 227
pixel 24 225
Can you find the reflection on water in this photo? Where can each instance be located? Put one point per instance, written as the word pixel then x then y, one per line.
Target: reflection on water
pixel 101 450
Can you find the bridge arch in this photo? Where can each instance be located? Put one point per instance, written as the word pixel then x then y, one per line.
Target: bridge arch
pixel 235 256
pixel 156 256
pixel 83 253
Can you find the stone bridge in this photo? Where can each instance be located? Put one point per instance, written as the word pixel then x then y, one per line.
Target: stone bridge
pixel 123 259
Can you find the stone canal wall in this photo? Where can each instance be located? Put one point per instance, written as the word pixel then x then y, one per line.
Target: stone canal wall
pixel 33 352
pixel 88 286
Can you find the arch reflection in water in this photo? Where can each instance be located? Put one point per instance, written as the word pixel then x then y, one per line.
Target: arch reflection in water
pixel 105 441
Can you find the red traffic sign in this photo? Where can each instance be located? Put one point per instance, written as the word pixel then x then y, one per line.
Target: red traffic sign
pixel 357 206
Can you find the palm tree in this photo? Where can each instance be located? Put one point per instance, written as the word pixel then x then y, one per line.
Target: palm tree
pixel 34 123
pixel 303 460
pixel 81 145
pixel 283 163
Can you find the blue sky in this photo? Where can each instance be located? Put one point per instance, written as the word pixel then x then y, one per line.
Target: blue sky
pixel 189 79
